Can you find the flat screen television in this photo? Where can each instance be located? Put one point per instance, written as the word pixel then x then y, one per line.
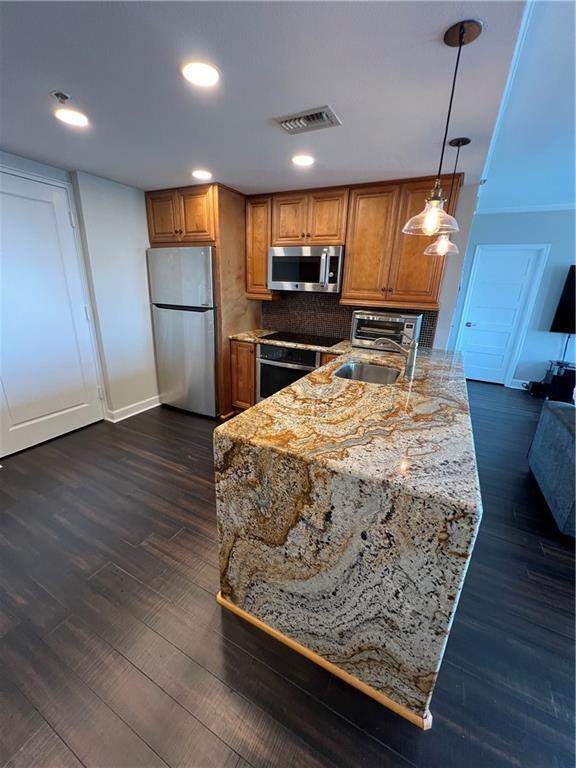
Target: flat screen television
pixel 564 319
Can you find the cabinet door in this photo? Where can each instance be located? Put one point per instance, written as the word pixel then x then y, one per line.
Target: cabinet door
pixel 327 211
pixel 163 209
pixel 326 357
pixel 373 218
pixel 414 278
pixel 289 219
pixel 258 211
pixel 242 374
pixel 197 206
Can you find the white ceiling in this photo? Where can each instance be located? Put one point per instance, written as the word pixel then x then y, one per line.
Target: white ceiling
pixel 532 164
pixel 382 66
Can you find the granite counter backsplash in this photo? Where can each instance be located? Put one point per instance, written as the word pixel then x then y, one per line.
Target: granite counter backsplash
pixel 322 314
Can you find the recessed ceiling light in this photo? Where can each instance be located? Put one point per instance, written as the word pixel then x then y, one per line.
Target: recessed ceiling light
pixel 199 173
pixel 303 160
pixel 67 115
pixel 200 73
pixel 72 117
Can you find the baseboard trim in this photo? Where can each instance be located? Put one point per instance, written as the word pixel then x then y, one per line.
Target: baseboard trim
pixel 517 384
pixel 423 722
pixel 131 410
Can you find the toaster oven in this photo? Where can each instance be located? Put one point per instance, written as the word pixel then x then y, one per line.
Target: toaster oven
pixel 371 330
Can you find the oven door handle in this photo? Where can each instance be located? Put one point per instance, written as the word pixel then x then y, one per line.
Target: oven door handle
pixel 264 361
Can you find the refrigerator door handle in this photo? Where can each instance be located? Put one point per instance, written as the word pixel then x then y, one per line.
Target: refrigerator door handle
pixel 183 309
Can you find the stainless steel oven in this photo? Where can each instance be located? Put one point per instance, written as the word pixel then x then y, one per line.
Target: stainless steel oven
pixel 305 268
pixel 278 367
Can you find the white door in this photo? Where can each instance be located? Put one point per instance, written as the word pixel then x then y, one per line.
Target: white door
pixel 48 372
pixel 500 297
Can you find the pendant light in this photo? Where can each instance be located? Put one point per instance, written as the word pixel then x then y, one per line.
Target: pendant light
pixel 442 246
pixel 434 219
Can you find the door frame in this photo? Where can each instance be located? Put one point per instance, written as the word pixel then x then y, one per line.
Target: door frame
pixel 82 267
pixel 535 276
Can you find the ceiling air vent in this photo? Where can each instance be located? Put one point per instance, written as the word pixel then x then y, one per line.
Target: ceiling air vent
pixel 309 120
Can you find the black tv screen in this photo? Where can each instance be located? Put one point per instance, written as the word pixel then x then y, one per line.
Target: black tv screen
pixel 564 320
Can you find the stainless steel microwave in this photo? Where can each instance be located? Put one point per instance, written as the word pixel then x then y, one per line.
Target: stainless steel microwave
pixel 315 268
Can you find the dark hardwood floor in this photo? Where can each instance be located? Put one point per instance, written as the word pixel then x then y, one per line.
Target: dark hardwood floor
pixel 114 653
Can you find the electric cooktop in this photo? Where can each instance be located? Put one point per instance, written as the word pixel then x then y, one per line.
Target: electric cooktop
pixel 303 338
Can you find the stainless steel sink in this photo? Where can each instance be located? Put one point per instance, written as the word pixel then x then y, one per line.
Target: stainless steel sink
pixel 371 374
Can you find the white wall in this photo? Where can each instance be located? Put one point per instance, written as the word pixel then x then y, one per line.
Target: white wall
pixel 530 165
pixel 453 269
pixel 115 237
pixel 556 228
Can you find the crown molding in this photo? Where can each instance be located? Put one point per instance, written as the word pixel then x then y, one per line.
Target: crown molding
pixel 527 209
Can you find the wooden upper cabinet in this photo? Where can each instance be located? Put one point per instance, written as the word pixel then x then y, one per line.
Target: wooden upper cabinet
pixel 372 221
pixel 198 219
pixel 415 279
pixel 327 210
pixel 181 215
pixel 258 216
pixel 289 219
pixel 242 374
pixel 163 210
pixel 310 218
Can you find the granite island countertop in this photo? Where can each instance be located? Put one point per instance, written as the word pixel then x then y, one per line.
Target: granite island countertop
pixel 347 514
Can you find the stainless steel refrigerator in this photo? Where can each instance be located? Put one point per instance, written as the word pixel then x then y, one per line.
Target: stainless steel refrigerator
pixel 183 317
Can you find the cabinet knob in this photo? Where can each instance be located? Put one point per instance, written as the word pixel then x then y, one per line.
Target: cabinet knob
pixel 308 235
pixel 302 235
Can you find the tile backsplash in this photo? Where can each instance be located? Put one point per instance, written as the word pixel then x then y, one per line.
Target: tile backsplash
pixel 321 314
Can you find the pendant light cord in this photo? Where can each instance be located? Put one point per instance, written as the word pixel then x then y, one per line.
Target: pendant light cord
pixel 453 177
pixel 566 347
pixel 460 44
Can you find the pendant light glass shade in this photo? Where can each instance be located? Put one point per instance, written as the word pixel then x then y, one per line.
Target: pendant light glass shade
pixel 442 246
pixel 433 220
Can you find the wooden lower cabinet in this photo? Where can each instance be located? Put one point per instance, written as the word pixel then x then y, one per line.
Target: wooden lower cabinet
pixel 326 357
pixel 242 374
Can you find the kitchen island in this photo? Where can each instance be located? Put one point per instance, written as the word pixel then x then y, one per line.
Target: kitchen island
pixel 347 514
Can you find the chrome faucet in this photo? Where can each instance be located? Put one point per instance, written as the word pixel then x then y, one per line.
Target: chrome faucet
pixel 410 353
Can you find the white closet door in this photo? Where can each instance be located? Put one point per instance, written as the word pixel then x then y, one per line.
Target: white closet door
pixel 48 371
pixel 501 292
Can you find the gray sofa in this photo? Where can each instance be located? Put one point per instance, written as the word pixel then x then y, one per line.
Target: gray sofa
pixel 551 459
